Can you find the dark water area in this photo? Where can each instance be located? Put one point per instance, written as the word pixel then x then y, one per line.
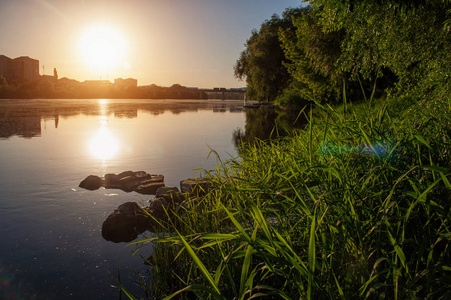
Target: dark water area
pixel 50 229
pixel 268 123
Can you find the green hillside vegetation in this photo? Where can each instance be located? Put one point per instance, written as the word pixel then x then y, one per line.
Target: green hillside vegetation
pixel 355 205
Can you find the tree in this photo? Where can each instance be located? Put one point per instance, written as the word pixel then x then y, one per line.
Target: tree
pixel 262 63
pixel 404 42
pixel 312 54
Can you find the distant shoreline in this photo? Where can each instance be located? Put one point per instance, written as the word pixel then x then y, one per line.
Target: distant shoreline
pixel 49 88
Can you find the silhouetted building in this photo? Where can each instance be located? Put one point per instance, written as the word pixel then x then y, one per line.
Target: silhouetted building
pixel 68 83
pixel 6 66
pixel 25 68
pixel 22 67
pixel 97 83
pixel 49 78
pixel 125 83
pixel 243 89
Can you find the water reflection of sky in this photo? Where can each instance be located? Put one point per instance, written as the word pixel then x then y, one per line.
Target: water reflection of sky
pixel 51 229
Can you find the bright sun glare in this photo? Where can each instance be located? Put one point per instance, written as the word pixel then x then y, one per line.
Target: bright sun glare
pixel 104 145
pixel 102 47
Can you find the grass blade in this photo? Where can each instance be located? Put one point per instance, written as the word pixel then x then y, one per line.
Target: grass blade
pixel 311 257
pixel 246 265
pixel 198 262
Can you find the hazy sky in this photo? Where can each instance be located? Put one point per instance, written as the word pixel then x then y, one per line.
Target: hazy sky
pixel 189 42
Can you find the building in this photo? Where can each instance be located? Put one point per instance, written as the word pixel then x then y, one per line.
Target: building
pixel 53 79
pixel 26 68
pixel 6 66
pixel 125 83
pixel 243 89
pixel 97 83
pixel 21 68
pixel 68 83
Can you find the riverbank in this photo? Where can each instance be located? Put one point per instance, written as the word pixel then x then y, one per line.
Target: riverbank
pixel 355 205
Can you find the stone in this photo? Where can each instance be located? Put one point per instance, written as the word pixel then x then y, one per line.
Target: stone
pixel 91 183
pixel 171 194
pixel 150 185
pixel 194 186
pixel 158 207
pixel 125 223
pixel 111 181
pixel 128 181
pixel 150 261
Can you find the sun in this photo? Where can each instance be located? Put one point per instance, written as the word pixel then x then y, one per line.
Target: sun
pixel 102 47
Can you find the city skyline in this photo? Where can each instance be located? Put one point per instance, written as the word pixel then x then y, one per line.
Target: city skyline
pixel 156 42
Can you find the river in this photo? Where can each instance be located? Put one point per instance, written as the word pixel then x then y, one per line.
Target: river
pixel 50 229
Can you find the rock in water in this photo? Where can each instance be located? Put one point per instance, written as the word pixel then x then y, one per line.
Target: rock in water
pixel 195 186
pixel 150 184
pixel 91 183
pixel 124 181
pixel 159 208
pixel 171 194
pixel 129 219
pixel 128 181
pixel 125 223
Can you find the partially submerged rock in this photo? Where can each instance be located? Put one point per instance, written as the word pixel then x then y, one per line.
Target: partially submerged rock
pixel 171 194
pixel 159 208
pixel 150 185
pixel 195 186
pixel 129 219
pixel 125 223
pixel 91 183
pixel 128 181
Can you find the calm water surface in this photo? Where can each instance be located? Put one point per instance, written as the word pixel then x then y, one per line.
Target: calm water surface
pixel 50 230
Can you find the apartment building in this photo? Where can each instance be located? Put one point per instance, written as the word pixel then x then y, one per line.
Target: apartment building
pixel 125 83
pixel 6 66
pixel 22 67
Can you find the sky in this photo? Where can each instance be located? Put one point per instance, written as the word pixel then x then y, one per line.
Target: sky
pixel 194 43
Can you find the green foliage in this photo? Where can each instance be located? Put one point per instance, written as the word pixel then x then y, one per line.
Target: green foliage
pixel 403 45
pixel 292 98
pixel 262 62
pixel 403 39
pixel 356 205
pixel 312 54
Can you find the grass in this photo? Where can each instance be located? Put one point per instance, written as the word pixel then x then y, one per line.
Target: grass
pixel 356 205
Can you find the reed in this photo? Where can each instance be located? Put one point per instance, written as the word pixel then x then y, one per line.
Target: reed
pixel 356 205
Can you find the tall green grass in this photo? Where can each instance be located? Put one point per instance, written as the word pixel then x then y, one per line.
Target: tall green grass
pixel 357 205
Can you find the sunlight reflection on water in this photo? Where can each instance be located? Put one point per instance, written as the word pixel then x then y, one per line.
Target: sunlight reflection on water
pixel 104 145
pixel 49 227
